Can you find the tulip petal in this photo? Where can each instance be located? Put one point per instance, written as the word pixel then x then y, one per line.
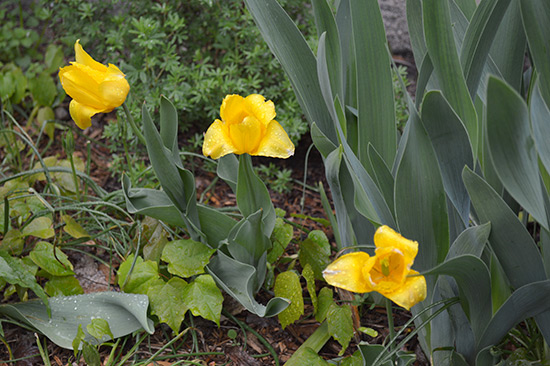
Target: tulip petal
pixel 262 110
pixel 114 91
pixel 246 136
pixel 410 293
pixel 387 237
pixel 347 272
pixel 276 143
pixel 82 57
pixel 216 141
pixel 80 85
pixel 82 114
pixel 232 110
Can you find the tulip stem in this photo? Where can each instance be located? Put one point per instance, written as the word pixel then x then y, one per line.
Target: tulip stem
pixel 130 119
pixel 391 327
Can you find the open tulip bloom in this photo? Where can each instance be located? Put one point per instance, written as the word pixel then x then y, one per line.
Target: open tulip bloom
pixel 94 87
pixel 388 272
pixel 247 126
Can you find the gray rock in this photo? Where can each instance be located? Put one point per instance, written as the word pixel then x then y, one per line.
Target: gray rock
pixel 395 22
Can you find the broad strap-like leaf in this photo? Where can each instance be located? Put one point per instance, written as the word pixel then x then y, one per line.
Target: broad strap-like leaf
pixel 237 279
pixel 478 39
pixel 508 236
pixel 508 47
pixel 289 46
pixel 420 202
pixel 326 23
pixel 169 128
pixel 151 202
pixel 125 313
pixel 540 115
pixel 376 121
pixel 252 195
pixel 451 144
pixel 471 241
pixel 536 22
pixel 443 53
pixel 526 302
pixel 512 149
pixel 472 277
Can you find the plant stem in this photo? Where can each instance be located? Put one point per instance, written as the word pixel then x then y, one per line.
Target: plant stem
pixel 390 323
pixel 316 341
pixel 75 178
pixel 132 123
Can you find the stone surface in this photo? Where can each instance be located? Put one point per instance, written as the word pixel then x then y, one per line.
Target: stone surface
pixel 395 21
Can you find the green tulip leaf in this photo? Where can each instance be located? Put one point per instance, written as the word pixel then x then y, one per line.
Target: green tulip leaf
pixel 124 313
pixel 237 279
pixel 512 149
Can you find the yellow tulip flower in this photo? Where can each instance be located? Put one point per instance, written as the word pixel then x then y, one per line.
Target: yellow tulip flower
pixel 388 272
pixel 247 126
pixel 94 87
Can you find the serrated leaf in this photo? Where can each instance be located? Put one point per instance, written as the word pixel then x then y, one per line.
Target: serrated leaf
pixel 41 227
pixel 287 285
pixel 315 251
pixel 13 242
pixel 73 228
pixel 204 298
pixel 324 301
pixel 99 328
pixel 168 303
pixel 280 238
pixel 187 257
pixel 125 313
pixel 308 274
pixel 340 324
pixel 55 264
pixel 144 275
pixel 63 286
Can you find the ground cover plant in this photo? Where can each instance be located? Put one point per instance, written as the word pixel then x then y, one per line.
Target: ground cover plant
pixel 430 200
